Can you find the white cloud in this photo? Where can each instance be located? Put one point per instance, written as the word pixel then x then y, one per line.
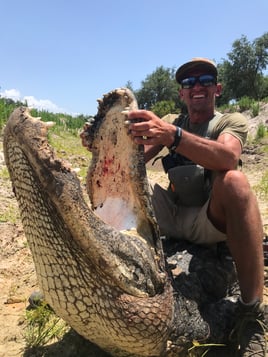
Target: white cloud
pixel 11 93
pixel 40 104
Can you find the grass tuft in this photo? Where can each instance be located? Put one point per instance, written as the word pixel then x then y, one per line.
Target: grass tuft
pixel 43 326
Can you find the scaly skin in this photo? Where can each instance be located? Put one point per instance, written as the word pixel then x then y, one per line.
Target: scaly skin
pixel 102 269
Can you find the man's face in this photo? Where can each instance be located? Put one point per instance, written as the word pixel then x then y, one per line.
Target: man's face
pixel 200 97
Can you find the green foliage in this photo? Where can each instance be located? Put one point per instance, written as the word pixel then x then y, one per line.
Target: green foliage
pixel 164 107
pixel 262 187
pixel 255 109
pixel 227 108
pixel 261 132
pixel 245 103
pixel 6 108
pixel 129 85
pixel 43 326
pixel 63 137
pixel 67 145
pixel 62 121
pixel 199 349
pixel 10 214
pixel 4 173
pixel 157 87
pixel 242 74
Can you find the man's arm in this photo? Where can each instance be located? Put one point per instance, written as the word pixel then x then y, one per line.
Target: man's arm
pixel 221 154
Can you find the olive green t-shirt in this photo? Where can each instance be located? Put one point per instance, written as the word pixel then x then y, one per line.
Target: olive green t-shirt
pixel 232 123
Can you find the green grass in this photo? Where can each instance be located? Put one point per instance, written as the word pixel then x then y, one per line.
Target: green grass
pixel 67 145
pixel 10 214
pixel 43 327
pixel 4 174
pixel 199 348
pixel 262 132
pixel 262 187
pixel 9 211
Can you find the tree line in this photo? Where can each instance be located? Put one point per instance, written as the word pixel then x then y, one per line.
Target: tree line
pixel 241 75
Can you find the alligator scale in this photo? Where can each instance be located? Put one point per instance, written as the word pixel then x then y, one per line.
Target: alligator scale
pixel 103 267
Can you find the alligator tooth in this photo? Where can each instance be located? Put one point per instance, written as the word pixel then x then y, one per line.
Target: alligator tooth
pixel 49 124
pixel 87 126
pixel 90 121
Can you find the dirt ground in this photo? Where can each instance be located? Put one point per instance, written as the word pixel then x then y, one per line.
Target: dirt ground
pixel 17 274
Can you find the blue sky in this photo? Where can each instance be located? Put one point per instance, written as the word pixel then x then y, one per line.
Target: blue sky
pixel 62 55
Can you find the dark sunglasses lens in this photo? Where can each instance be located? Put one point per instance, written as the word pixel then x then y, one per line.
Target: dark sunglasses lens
pixel 206 80
pixel 188 82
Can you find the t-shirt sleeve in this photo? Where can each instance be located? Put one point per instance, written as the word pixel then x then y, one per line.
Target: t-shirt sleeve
pixel 235 124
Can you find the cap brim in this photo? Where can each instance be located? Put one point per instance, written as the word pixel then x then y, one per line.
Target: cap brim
pixel 188 67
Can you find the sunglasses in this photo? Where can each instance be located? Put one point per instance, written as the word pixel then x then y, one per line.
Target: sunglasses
pixel 206 80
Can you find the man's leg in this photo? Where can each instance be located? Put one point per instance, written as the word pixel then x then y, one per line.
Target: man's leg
pixel 234 210
pixel 174 221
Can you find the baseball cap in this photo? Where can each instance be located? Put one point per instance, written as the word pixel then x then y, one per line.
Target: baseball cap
pixel 196 63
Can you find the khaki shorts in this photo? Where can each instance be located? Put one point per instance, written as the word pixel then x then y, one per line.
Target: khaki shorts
pixel 179 222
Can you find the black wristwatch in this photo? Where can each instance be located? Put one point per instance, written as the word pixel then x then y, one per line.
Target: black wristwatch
pixel 177 139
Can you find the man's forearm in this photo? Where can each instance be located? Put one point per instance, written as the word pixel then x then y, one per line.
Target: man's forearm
pixel 219 155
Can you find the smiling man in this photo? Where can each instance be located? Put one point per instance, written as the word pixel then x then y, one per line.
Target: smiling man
pixel 209 199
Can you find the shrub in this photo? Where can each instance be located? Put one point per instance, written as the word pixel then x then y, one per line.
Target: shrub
pixel 255 109
pixel 261 131
pixel 245 103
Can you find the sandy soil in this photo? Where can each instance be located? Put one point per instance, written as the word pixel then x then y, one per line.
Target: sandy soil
pixel 18 280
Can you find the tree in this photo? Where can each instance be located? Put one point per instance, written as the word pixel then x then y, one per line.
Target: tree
pixel 157 87
pixel 129 85
pixel 164 107
pixel 242 74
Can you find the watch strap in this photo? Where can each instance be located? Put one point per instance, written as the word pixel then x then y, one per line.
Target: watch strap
pixel 177 139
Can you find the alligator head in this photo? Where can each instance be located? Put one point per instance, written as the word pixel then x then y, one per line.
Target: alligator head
pixel 100 266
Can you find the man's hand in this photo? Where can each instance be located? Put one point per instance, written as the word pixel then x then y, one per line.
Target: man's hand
pixel 148 129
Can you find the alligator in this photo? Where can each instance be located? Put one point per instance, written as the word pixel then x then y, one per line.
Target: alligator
pixel 101 262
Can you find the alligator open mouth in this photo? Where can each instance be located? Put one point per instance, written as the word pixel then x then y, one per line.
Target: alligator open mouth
pixel 102 268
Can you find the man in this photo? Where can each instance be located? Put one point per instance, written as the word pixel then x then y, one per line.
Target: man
pixel 208 146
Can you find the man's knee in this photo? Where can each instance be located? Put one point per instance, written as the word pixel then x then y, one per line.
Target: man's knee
pixel 231 184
